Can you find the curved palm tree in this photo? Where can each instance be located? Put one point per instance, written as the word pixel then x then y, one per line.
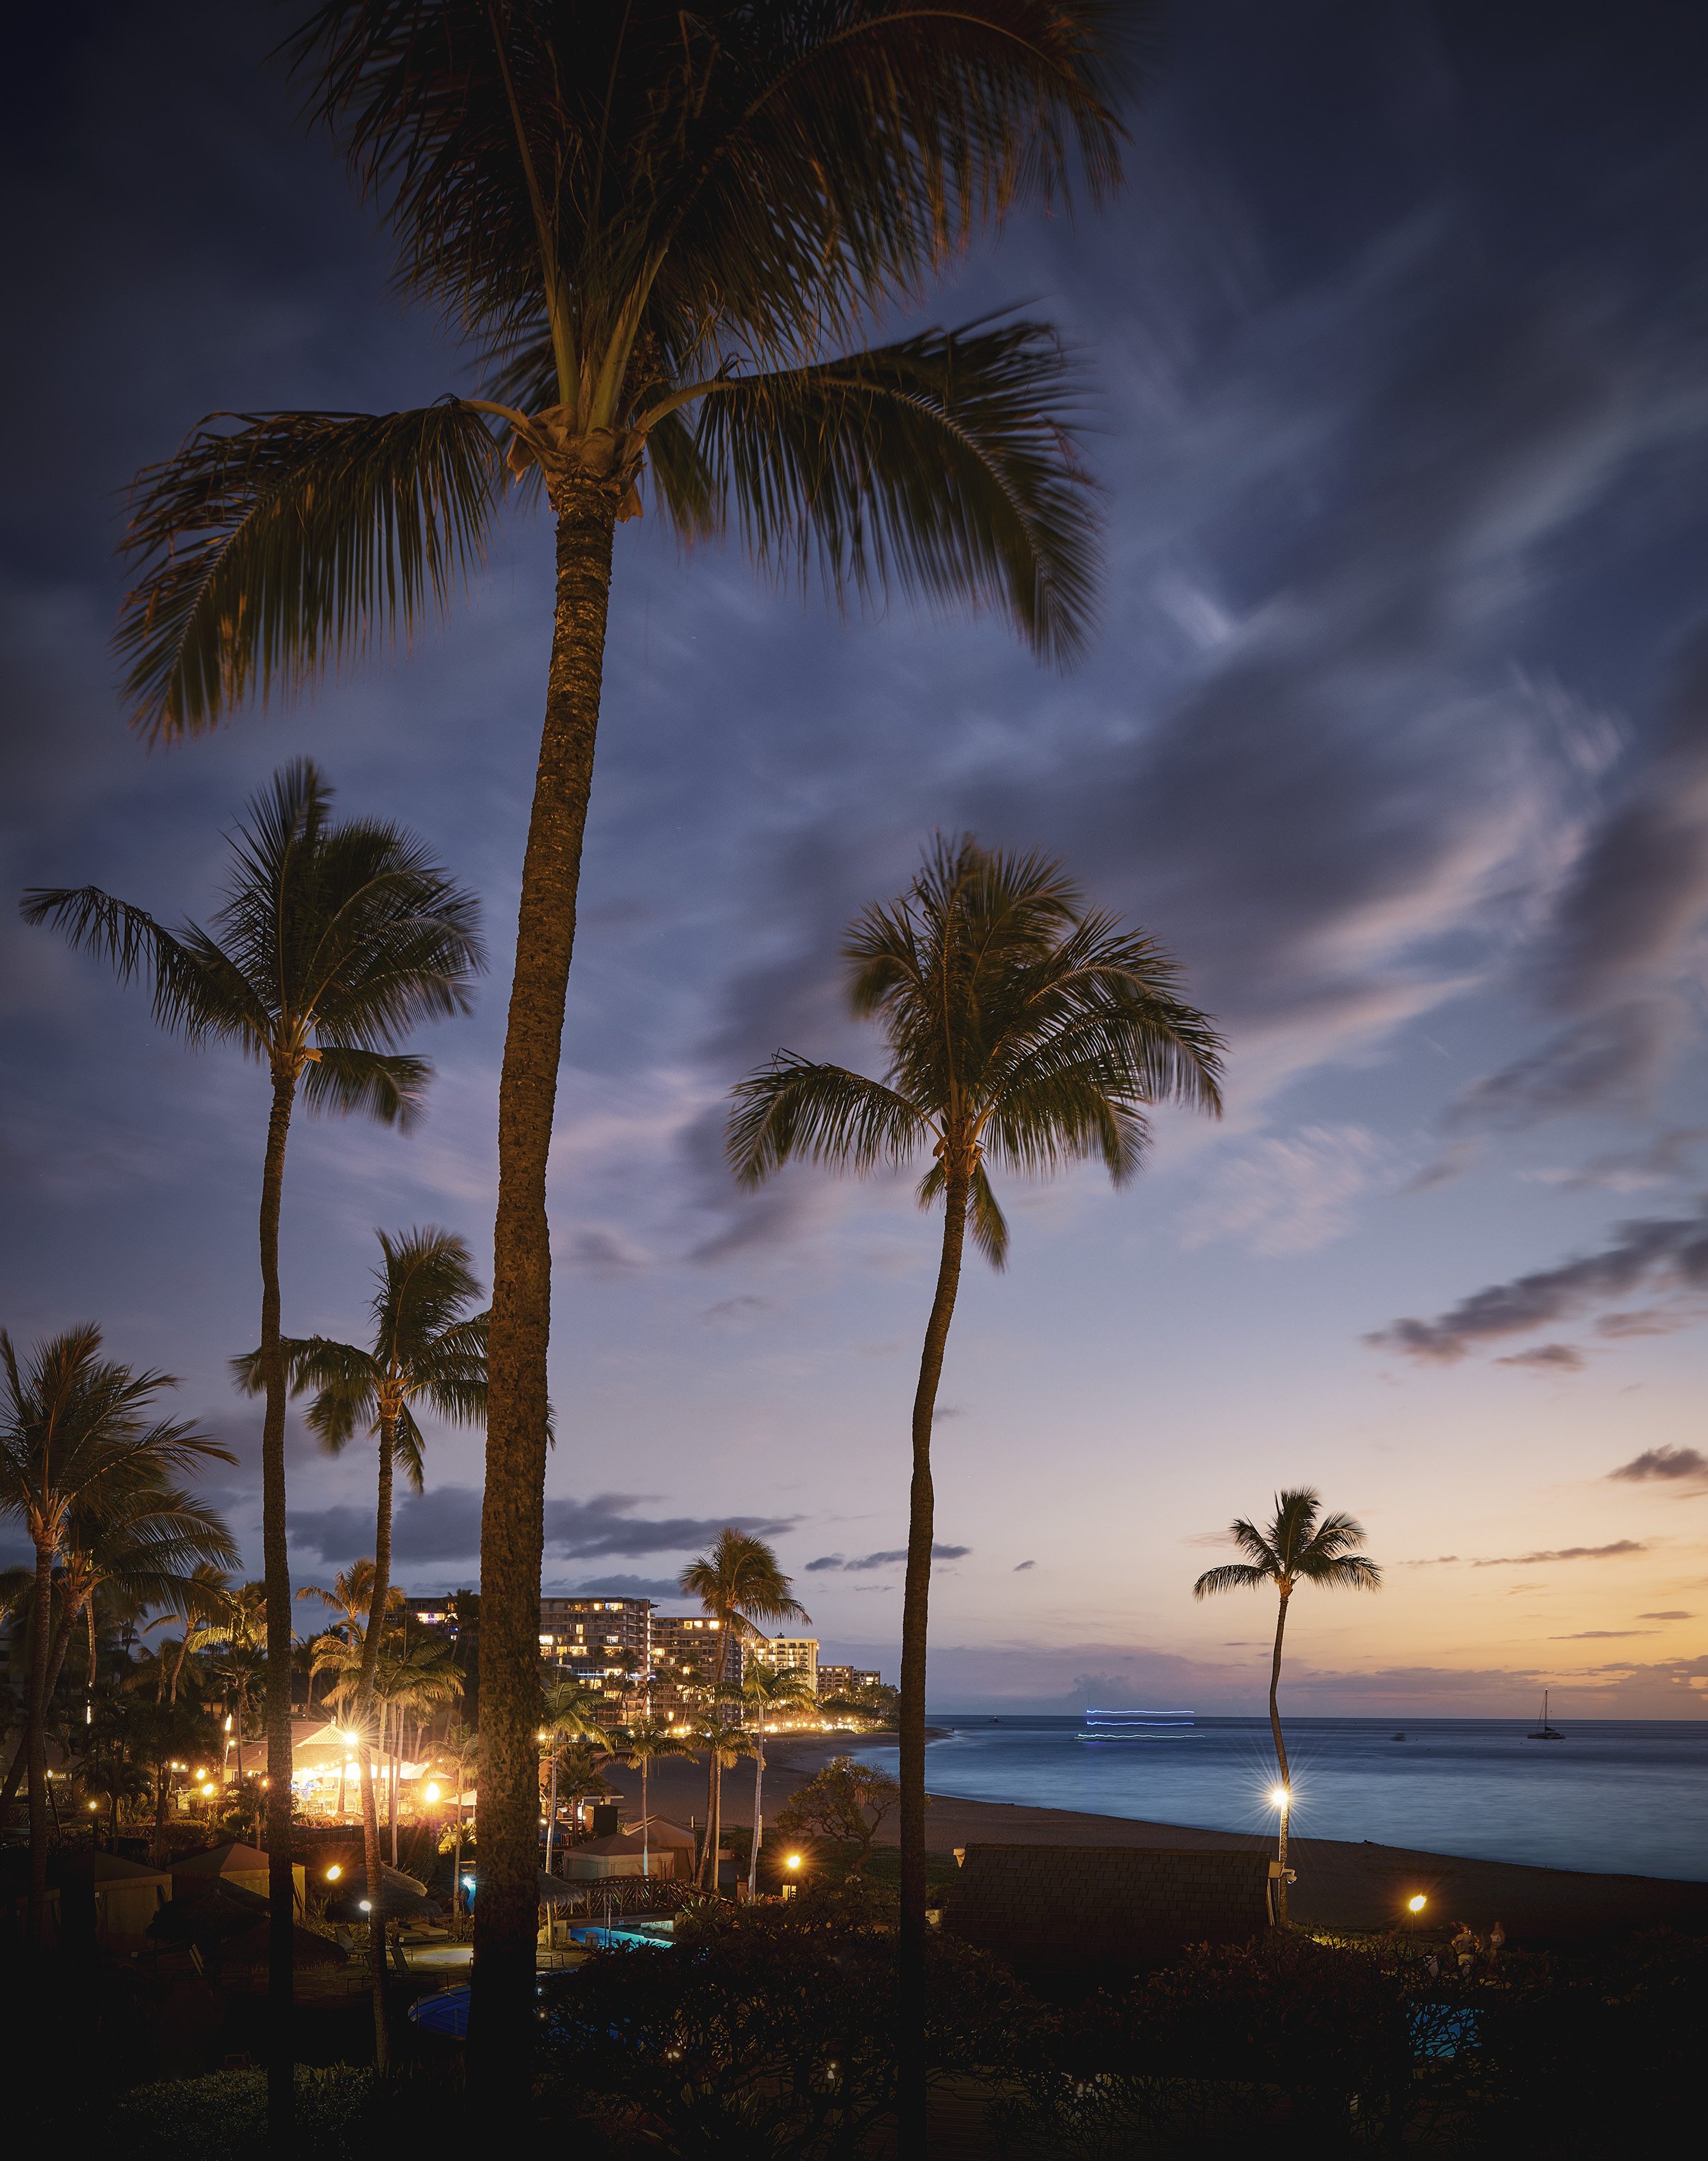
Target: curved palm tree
pixel 334 941
pixel 724 1740
pixel 1301 1545
pixel 642 1746
pixel 671 231
pixel 421 1677
pixel 766 1689
pixel 1023 1031
pixel 427 1350
pixel 200 1604
pixel 738 1584
pixel 78 1441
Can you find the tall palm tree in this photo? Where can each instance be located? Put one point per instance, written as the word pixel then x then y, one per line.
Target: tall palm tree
pixel 333 941
pixel 461 1756
pixel 642 1746
pixel 77 1438
pixel 1023 1031
pixel 426 1350
pixel 765 1691
pixel 738 1584
pixel 424 1676
pixel 1301 1545
pixel 671 233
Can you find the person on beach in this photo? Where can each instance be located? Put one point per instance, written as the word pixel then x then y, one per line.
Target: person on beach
pixel 1496 1937
pixel 1466 1945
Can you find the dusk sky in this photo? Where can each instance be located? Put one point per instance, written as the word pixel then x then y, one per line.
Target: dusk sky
pixel 1394 729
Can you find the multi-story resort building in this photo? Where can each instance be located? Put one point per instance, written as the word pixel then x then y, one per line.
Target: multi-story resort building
pixel 845 1680
pixel 798 1654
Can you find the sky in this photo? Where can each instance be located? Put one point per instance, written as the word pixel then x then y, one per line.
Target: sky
pixel 1394 729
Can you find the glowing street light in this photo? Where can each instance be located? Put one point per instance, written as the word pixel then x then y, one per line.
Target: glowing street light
pixel 334 1873
pixel 1281 1797
pixel 794 1861
pixel 431 1795
pixel 1416 1905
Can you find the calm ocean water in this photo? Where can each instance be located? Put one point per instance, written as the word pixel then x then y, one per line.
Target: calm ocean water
pixel 1621 1795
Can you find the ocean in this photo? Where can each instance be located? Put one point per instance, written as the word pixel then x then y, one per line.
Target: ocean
pixel 1622 1796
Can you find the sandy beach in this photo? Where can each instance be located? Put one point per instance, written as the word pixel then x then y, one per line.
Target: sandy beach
pixel 1341 1885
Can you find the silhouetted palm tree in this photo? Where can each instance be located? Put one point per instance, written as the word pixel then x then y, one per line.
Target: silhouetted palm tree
pixel 642 1745
pixel 765 1691
pixel 672 232
pixel 1301 1545
pixel 738 1584
pixel 572 1713
pixel 77 1438
pixel 1023 1031
pixel 426 1349
pixel 333 942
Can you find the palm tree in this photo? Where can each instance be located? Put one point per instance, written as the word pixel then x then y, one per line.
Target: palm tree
pixel 670 232
pixel 140 1542
pixel 1023 1031
pixel 461 1754
pixel 77 1439
pixel 1301 1545
pixel 765 1690
pixel 642 1744
pixel 426 1676
pixel 724 1741
pixel 571 1714
pixel 200 1604
pixel 426 1349
pixel 738 1584
pixel 334 941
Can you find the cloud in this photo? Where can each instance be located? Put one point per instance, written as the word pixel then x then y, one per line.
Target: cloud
pixel 1548 1358
pixel 1020 1566
pixel 1436 1560
pixel 1669 1252
pixel 1599 1635
pixel 1673 1614
pixel 599 1252
pixel 1291 1194
pixel 1661 1161
pixel 1619 1548
pixel 445 1524
pixel 1616 957
pixel 1662 1463
pixel 890 1560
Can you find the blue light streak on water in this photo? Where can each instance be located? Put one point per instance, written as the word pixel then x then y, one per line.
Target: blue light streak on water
pixel 1620 1796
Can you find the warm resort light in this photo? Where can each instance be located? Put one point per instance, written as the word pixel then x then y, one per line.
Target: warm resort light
pixel 334 1873
pixel 365 1905
pixel 1416 1905
pixel 349 1740
pixel 208 1787
pixel 432 1793
pixel 228 1721
pixel 795 1860
pixel 1278 1797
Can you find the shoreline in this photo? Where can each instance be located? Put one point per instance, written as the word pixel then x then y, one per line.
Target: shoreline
pixel 1358 1887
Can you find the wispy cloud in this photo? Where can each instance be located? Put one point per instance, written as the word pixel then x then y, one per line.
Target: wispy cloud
pixel 1664 1462
pixel 1669 1252
pixel 443 1525
pixel 1291 1193
pixel 893 1559
pixel 1616 1551
pixel 1548 1358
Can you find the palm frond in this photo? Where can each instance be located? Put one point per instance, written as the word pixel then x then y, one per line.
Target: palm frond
pixel 287 542
pixel 941 467
pixel 197 994
pixel 793 1109
pixel 1232 1575
pixel 391 1086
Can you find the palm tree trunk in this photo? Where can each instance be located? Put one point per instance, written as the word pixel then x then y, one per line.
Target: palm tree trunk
pixel 281 1883
pixel 646 1825
pixel 706 1847
pixel 1281 1759
pixel 501 2029
pixel 237 1743
pixel 364 1713
pixel 911 2064
pixel 177 1671
pixel 36 1742
pixel 56 1659
pixel 758 1814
